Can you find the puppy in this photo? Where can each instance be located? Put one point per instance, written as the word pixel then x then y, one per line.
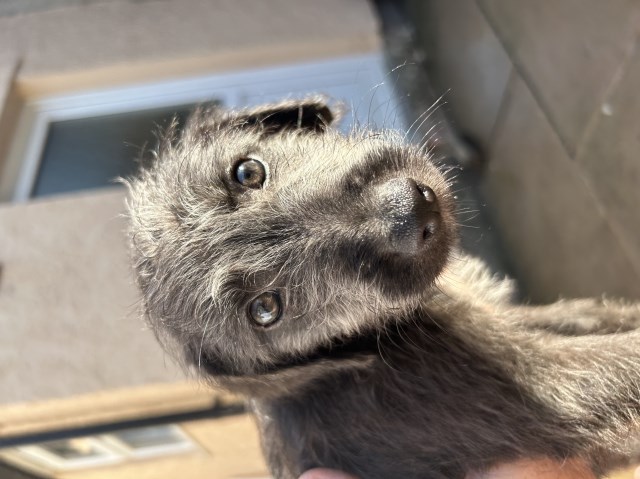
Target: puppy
pixel 317 274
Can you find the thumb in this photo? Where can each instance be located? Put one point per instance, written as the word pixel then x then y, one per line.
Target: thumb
pixel 537 469
pixel 321 473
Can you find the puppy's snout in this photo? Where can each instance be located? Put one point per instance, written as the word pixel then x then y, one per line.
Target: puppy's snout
pixel 410 211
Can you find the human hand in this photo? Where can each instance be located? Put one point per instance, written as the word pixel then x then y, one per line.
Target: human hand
pixel 322 473
pixel 523 469
pixel 537 469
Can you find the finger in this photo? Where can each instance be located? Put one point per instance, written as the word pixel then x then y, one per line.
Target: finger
pixel 322 473
pixel 537 469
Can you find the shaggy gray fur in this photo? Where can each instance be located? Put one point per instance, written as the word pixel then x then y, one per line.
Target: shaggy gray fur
pixel 384 364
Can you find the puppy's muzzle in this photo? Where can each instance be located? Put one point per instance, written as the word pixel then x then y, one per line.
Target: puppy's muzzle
pixel 410 213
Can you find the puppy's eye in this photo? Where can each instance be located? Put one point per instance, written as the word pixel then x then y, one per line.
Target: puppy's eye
pixel 251 173
pixel 266 309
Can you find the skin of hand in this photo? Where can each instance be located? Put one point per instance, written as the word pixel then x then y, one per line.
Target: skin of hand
pixel 523 469
pixel 538 469
pixel 322 473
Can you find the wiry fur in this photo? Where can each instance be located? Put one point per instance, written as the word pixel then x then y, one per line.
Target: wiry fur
pixel 382 365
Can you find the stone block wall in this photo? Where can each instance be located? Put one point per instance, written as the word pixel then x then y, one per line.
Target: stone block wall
pixel 551 91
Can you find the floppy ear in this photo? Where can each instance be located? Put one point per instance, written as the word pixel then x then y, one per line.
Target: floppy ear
pixel 310 114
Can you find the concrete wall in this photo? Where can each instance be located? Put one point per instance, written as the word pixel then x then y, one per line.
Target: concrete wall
pixel 550 91
pixel 20 7
pixel 117 42
pixel 69 311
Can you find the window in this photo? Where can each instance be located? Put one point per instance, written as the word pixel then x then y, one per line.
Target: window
pixel 70 454
pixel 91 152
pixel 151 441
pixel 85 140
pixel 107 449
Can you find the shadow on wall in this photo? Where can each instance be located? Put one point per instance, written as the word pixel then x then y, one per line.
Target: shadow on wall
pixel 549 90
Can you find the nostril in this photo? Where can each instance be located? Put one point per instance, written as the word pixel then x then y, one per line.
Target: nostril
pixel 427 193
pixel 410 212
pixel 430 226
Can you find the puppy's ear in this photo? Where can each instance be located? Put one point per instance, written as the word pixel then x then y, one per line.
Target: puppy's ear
pixel 310 115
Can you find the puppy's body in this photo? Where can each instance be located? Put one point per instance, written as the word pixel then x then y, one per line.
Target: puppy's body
pixel 463 383
pixel 316 274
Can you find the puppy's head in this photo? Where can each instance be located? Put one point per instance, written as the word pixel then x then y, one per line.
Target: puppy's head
pixel 265 243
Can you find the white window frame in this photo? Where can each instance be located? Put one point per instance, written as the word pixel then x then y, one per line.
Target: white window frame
pixel 42 457
pixel 112 451
pixel 234 89
pixel 186 444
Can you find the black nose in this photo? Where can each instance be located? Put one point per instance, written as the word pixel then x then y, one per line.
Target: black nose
pixel 411 213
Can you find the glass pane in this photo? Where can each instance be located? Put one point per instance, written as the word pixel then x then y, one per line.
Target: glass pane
pixel 92 152
pixel 70 449
pixel 153 436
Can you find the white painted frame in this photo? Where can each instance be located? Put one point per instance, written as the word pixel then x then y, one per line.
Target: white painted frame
pixel 185 444
pixel 361 73
pixel 39 455
pixel 112 450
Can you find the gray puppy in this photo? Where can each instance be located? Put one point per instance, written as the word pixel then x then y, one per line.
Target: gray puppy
pixel 317 274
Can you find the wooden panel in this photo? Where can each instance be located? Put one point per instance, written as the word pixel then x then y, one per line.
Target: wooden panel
pixel 108 406
pixel 229 450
